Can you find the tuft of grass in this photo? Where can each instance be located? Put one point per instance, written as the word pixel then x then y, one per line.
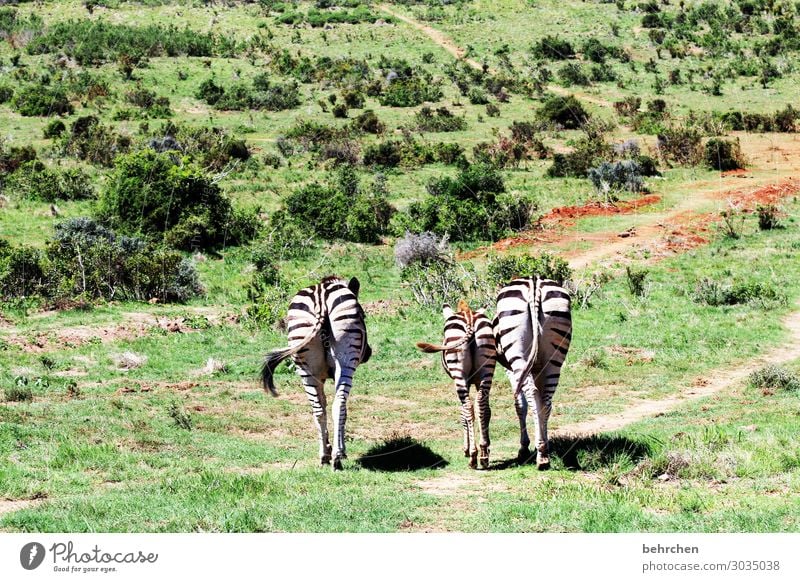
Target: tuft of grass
pixel 595 358
pixel 772 378
pixel 20 391
pixel 179 415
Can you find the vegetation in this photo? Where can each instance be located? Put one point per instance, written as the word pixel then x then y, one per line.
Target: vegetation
pixel 166 188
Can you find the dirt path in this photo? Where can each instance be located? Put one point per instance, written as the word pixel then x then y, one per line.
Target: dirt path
pixel 445 42
pixel 716 381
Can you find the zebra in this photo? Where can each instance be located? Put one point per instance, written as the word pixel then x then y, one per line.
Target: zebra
pixel 533 330
pixel 327 339
pixel 469 357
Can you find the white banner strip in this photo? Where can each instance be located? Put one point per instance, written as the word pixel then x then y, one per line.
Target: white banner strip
pixel 371 557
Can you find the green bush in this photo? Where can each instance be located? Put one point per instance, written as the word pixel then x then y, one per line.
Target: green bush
pixel 262 95
pixel 41 100
pixel 501 270
pixel 768 217
pixel 723 155
pixel 715 293
pixel 11 159
pixel 341 209
pixel 439 120
pixel 86 260
pixel 564 111
pixel 553 48
pixel 471 206
pixel 93 42
pixel 156 195
pixel 35 181
pixel 410 92
pixel 90 140
pixel 54 129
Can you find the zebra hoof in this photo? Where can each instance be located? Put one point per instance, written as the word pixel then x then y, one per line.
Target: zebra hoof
pixel 543 462
pixel 324 461
pixel 337 465
pixel 473 461
pixel 466 453
pixel 484 462
pixel 523 455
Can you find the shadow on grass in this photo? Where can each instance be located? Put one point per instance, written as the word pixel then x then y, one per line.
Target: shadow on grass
pixel 400 454
pixel 588 453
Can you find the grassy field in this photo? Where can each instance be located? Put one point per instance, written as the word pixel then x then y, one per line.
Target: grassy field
pixel 175 443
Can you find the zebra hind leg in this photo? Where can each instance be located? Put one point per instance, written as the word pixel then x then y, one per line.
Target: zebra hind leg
pixel 315 391
pixel 484 413
pixel 468 424
pixel 521 406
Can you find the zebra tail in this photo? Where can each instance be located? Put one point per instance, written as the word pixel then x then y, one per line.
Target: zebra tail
pixel 433 348
pixel 534 313
pixel 275 357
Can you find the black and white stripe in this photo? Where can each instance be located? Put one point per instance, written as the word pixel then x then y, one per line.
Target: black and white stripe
pixel 327 339
pixel 469 357
pixel 533 329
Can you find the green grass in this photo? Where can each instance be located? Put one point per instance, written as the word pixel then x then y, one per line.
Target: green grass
pixel 166 447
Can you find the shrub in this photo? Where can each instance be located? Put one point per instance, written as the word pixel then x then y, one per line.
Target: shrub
pixel 41 100
pixel 477 96
pixel 86 260
pixel 595 358
pixel 553 48
pixel 410 92
pixel 387 154
pixel 11 159
pixel 101 41
pixel 501 270
pixel 611 177
pixel 573 74
pixel 54 129
pixel 94 142
pixel 420 249
pixel 262 95
pixel 6 94
pixel 714 293
pixel 470 207
pixel 768 217
pixel 439 120
pixel 157 195
pixel 723 155
pixel 20 391
pixel 37 182
pixel 628 107
pixel 445 281
pixel 564 111
pixel 680 144
pixel 368 122
pixel 773 378
pixel 589 151
pixel 636 280
pixel 340 210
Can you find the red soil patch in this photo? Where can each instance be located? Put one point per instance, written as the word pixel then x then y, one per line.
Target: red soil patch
pixel 599 209
pixel 770 194
pixel 564 216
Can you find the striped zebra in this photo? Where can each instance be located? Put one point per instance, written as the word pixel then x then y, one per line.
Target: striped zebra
pixel 468 357
pixel 327 339
pixel 533 329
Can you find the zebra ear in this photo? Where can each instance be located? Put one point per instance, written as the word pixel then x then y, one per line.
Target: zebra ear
pixel 354 286
pixel 447 311
pixel 481 311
